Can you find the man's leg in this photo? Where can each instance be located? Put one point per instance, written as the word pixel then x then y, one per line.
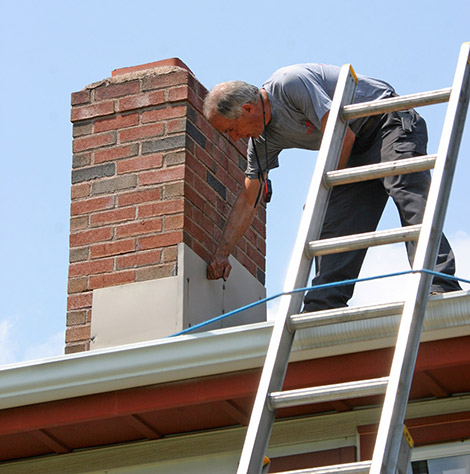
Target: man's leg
pixel 352 209
pixel 410 191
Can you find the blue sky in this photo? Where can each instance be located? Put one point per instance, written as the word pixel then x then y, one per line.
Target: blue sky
pixel 50 49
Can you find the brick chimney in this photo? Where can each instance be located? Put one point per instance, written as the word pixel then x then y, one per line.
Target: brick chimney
pixel 152 186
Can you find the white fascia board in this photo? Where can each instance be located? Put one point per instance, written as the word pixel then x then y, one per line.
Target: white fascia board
pixel 134 365
pixel 209 353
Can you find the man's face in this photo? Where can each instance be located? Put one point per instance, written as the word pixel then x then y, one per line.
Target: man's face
pixel 249 124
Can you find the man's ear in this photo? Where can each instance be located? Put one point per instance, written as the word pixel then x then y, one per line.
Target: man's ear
pixel 248 108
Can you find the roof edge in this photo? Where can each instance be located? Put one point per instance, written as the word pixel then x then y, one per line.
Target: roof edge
pixel 209 353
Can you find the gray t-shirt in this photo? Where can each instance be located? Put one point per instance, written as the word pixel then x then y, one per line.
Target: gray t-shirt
pixel 300 95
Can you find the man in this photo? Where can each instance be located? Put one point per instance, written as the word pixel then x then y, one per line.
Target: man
pixel 291 111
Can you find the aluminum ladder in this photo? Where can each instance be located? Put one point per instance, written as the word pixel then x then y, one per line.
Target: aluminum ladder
pixel 389 443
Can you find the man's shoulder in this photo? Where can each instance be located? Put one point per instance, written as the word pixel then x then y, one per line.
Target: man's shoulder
pixel 288 75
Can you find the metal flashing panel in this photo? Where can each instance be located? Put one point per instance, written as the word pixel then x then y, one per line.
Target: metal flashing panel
pixel 153 309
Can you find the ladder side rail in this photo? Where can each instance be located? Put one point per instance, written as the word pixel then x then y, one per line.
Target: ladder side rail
pixel 317 199
pixel 391 104
pixel 275 366
pixel 390 430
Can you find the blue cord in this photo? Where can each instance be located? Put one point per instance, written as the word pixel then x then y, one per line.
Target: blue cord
pixel 316 287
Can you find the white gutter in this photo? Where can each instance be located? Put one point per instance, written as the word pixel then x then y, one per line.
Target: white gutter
pixel 212 352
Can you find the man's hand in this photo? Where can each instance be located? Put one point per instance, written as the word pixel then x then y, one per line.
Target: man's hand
pixel 238 222
pixel 219 267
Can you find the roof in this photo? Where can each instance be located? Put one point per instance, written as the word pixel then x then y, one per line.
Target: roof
pixel 207 381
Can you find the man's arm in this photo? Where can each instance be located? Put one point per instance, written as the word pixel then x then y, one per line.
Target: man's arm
pixel 238 222
pixel 348 143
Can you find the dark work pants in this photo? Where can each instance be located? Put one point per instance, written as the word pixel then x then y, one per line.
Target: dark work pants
pixel 356 208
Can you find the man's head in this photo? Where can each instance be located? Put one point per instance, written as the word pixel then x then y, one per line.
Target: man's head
pixel 235 108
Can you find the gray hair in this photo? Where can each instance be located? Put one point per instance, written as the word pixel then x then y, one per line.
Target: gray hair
pixel 228 97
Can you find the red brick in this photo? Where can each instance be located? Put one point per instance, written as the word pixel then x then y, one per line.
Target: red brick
pixel 173 222
pixel 206 191
pixel 178 93
pixel 78 285
pixel 174 158
pixel 80 190
pixel 117 90
pixel 170 254
pixel 112 279
pixel 116 215
pixel 194 197
pixel 77 333
pixel 227 180
pixel 144 131
pixel 80 160
pixel 91 236
pixel 91 268
pixel 163 114
pixel 185 93
pixel 205 158
pixel 213 215
pixel 205 128
pixel 94 141
pixel 91 205
pixel 115 153
pixel 206 224
pixel 115 123
pixel 255 256
pixel 261 245
pixel 163 81
pixel 236 174
pixel 171 190
pixel 202 251
pixel 75 318
pixel 138 197
pixel 77 223
pixel 140 163
pixel 91 111
pixel 245 261
pixel 113 248
pixel 154 272
pixel 164 175
pixel 176 125
pixel 139 228
pixel 140 101
pixel 73 348
pixel 195 230
pixel 161 208
pixel 220 158
pixel 196 165
pixel 139 259
pixel 160 240
pixel 79 301
pixel 259 225
pixel 251 235
pixel 81 97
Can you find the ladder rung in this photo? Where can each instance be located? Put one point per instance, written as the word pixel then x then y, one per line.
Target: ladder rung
pixel 350 468
pixel 403 102
pixel 327 393
pixel 343 315
pixel 361 241
pixel 380 170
